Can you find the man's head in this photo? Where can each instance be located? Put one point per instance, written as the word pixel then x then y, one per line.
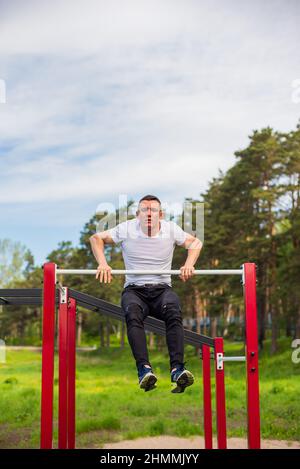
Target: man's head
pixel 149 211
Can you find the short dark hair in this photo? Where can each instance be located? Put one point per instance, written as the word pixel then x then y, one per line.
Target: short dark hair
pixel 150 197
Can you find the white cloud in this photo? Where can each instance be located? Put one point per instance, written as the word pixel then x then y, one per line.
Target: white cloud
pixel 112 97
pixel 52 179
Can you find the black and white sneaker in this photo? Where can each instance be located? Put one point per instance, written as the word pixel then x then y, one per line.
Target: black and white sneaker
pixel 182 378
pixel 147 378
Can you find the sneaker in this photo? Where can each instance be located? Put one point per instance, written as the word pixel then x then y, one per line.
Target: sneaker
pixel 147 378
pixel 182 378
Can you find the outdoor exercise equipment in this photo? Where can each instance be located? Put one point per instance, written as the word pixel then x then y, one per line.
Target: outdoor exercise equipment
pixel 54 294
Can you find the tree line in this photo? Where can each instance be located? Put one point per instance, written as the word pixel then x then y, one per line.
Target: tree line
pixel 252 214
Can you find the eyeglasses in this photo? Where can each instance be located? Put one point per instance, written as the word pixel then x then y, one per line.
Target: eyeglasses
pixel 152 209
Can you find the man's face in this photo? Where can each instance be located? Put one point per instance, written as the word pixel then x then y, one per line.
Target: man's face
pixel 149 213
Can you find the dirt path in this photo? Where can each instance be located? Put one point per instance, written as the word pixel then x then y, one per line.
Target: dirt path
pixel 172 442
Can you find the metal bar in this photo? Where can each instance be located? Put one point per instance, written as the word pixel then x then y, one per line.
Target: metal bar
pixel 22 296
pixel 220 396
pixel 234 359
pixel 48 356
pixel 71 372
pixel 21 301
pixel 63 372
pixel 149 272
pixel 207 409
pixel 21 292
pixel 252 356
pixel 151 324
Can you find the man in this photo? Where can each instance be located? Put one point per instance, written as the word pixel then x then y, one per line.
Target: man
pixel 148 243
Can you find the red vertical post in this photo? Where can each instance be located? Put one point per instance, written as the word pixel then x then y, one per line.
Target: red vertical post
pixel 63 369
pixel 220 393
pixel 49 300
pixel 71 372
pixel 207 410
pixel 251 332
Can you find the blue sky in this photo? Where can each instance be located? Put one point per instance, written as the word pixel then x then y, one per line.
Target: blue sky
pixel 132 97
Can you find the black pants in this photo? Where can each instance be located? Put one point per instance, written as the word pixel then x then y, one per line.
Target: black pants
pixel 161 302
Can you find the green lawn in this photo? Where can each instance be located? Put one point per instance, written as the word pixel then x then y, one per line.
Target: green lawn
pixel 111 407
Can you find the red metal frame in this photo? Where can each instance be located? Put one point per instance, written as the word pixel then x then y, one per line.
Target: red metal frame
pixel 48 356
pixel 207 410
pixel 220 396
pixel 67 367
pixel 251 331
pixel 63 373
pixel 67 364
pixel 71 372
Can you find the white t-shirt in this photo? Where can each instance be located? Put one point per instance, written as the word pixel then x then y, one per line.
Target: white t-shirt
pixel 142 252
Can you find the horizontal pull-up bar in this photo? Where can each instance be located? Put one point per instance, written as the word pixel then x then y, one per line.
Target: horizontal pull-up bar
pixel 150 272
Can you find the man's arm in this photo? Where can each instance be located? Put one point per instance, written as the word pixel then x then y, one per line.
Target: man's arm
pixel 194 246
pixel 98 240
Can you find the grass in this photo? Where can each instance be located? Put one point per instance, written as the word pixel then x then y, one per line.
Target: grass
pixel 111 407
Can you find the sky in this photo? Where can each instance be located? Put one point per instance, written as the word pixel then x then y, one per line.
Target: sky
pixel 130 97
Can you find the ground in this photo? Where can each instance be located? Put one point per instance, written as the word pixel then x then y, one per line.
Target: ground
pixel 172 442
